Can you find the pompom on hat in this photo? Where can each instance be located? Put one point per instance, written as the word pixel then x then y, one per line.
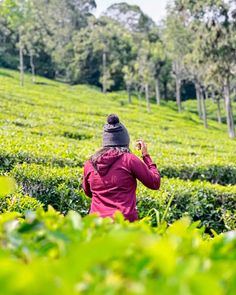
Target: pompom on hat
pixel 115 133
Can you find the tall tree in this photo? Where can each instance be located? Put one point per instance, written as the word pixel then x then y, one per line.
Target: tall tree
pixel 177 40
pixel 214 29
pixel 130 17
pixel 104 48
pixel 8 38
pixel 158 58
pixel 59 21
pixel 145 70
pixel 129 77
pixel 18 15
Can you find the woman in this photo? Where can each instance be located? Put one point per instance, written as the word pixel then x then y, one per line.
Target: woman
pixel 110 176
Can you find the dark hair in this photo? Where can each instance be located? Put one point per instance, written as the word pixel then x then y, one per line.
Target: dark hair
pixel 94 158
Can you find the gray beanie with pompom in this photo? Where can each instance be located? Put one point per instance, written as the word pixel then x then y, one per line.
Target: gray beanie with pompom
pixel 115 133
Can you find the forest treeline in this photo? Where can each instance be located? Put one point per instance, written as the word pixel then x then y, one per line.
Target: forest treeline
pixel 191 53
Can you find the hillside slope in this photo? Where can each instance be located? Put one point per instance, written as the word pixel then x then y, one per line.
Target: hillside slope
pixel 49 129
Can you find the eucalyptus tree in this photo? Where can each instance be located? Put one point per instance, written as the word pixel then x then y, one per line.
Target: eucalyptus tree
pixel 199 85
pixel 130 17
pixel 59 20
pixel 197 73
pixel 214 29
pixel 8 38
pixel 129 78
pixel 158 59
pixel 216 93
pixel 177 40
pixel 18 15
pixel 32 38
pixel 102 49
pixel 145 69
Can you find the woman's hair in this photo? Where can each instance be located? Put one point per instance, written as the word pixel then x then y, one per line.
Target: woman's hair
pixel 94 158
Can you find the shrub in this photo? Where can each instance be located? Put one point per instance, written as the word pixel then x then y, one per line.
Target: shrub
pixel 18 202
pixel 58 187
pixel 200 200
pixel 223 175
pixel 46 253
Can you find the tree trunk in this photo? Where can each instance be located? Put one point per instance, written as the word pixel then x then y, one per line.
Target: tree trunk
pixel 199 105
pixel 234 94
pixel 32 66
pixel 218 111
pixel 129 94
pixel 213 96
pixel 228 108
pixel 206 94
pixel 21 57
pixel 140 92
pixel 203 106
pixel 104 69
pixel 165 90
pixel 158 96
pixel 139 96
pixel 178 95
pixel 147 97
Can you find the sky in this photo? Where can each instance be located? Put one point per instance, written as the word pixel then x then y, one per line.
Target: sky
pixel 154 8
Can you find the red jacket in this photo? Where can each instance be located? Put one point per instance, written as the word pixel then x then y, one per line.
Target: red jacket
pixel 112 186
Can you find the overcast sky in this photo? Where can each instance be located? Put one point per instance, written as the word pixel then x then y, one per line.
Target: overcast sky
pixel 153 8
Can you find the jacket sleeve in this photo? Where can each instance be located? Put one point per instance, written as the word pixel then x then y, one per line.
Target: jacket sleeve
pixel 85 183
pixel 146 172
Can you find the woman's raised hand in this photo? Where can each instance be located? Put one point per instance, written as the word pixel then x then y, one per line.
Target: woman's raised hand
pixel 141 145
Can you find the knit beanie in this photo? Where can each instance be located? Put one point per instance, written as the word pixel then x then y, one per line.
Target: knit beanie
pixel 115 133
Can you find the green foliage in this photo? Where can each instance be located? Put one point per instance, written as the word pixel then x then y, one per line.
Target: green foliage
pixel 19 203
pixel 130 17
pixel 111 258
pixel 14 202
pixel 58 187
pixel 224 175
pixel 213 205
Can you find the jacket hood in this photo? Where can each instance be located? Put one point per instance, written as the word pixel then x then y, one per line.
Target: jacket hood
pixel 105 161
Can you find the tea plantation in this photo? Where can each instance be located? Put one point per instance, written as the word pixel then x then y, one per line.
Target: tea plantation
pixel 48 130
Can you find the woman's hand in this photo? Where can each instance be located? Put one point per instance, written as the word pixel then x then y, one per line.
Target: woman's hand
pixel 141 145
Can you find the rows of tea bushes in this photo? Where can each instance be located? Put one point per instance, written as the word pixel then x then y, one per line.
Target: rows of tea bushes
pixel 47 253
pixel 49 129
pixel 214 205
pixel 218 172
pixel 62 125
pixel 59 187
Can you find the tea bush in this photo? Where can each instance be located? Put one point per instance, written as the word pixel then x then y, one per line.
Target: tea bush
pixel 58 187
pixel 200 200
pixel 46 253
pixel 214 173
pixel 19 203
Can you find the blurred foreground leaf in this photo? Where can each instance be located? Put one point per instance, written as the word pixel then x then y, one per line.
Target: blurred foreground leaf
pixel 7 185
